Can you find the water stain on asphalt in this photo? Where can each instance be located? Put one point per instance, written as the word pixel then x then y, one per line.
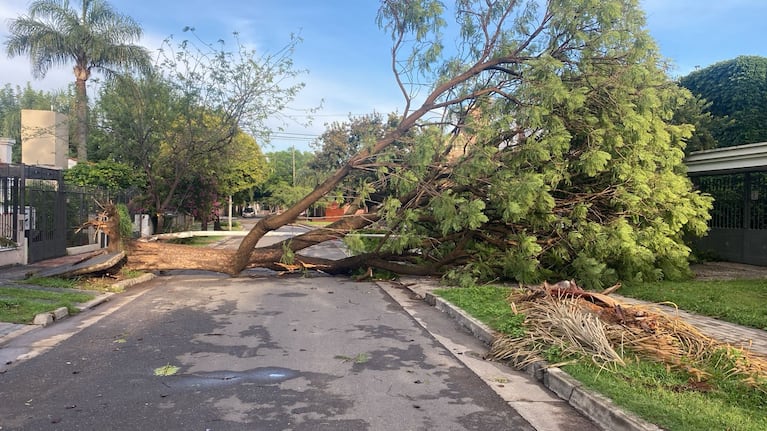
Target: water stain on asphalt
pixel 216 379
pixel 292 295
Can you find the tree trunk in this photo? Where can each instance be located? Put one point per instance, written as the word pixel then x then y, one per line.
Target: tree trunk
pixel 271 223
pixel 81 112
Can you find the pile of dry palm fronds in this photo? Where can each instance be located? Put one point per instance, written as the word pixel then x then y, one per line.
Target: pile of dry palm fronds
pixel 595 325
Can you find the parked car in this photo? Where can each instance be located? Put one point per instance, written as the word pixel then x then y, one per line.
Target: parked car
pixel 248 212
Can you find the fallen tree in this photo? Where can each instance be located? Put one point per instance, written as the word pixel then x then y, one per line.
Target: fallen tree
pixel 542 149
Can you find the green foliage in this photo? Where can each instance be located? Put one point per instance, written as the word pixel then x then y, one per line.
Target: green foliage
pixel 696 112
pixel 456 214
pixel 191 126
pixel 244 170
pixel 282 195
pixel 126 224
pixel 288 256
pixel 93 37
pixel 339 143
pixel 559 158
pixel 106 174
pixel 737 91
pixel 489 305
pixel 288 164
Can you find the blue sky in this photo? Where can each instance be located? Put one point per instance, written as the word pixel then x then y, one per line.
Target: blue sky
pixel 347 56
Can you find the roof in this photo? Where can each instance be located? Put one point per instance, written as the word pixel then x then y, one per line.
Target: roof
pixel 741 158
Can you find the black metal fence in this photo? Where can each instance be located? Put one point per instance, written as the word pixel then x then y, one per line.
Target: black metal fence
pixel 738 225
pixel 740 200
pixel 52 212
pixel 9 210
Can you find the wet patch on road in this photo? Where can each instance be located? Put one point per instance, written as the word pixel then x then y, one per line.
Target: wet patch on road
pixel 384 331
pixel 393 359
pixel 258 376
pixel 272 397
pixel 292 295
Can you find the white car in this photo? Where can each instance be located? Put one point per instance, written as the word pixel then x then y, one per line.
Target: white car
pixel 248 212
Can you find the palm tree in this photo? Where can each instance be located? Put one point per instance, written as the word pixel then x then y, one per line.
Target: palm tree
pixel 95 38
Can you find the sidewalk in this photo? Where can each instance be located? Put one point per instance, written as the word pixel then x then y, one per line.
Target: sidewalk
pixel 750 339
pixel 20 272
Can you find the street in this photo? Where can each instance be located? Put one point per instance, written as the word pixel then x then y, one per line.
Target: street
pixel 202 351
pixel 269 353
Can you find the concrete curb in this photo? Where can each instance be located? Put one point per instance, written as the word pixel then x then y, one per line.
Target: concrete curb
pixel 595 406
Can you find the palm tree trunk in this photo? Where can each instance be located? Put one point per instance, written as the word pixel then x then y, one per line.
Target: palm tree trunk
pixel 81 112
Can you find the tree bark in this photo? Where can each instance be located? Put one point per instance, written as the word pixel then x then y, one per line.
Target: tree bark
pixel 81 111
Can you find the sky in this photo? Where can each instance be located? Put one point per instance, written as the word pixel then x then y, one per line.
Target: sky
pixel 346 56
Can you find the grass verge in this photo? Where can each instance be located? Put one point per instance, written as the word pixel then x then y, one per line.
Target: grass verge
pixel 199 241
pixel 97 283
pixel 20 305
pixel 488 304
pixel 736 301
pixel 666 397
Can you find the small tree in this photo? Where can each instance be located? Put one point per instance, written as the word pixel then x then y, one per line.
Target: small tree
pixel 180 125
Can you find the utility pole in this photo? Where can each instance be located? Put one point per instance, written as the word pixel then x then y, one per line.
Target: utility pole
pixel 293 151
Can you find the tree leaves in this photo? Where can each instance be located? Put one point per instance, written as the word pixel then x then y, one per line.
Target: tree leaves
pixel 569 165
pixel 736 91
pixel 166 370
pixel 456 213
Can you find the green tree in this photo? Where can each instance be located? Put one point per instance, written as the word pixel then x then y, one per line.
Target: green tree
pixel 554 154
pixel 186 123
pixel 695 111
pixel 341 141
pixel 13 100
pixel 96 37
pixel 290 166
pixel 289 179
pixel 109 175
pixel 543 148
pixel 244 170
pixel 736 91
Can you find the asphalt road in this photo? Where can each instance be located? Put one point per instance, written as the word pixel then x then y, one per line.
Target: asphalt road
pixel 252 353
pixel 262 352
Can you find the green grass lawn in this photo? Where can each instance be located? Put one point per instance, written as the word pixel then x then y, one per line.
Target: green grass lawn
pixel 20 305
pixel 199 241
pixel 656 393
pixel 738 301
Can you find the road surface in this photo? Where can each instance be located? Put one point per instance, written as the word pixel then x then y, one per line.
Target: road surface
pixel 202 351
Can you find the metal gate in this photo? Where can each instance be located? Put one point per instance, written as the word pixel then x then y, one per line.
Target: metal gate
pixel 738 225
pixel 44 213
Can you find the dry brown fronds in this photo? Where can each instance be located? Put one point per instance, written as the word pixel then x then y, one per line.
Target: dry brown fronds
pixel 599 327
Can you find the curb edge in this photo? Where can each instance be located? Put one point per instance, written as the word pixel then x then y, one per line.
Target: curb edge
pixel 603 411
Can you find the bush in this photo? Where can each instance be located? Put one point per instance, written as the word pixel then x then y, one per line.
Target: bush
pixel 125 226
